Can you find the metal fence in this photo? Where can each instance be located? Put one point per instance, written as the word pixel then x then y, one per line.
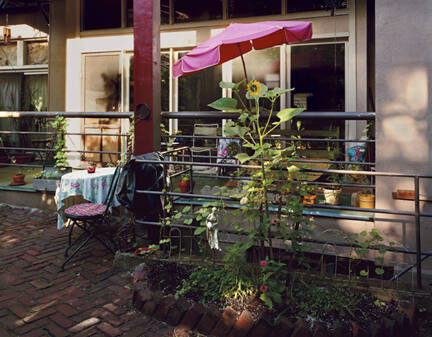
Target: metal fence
pixel 189 162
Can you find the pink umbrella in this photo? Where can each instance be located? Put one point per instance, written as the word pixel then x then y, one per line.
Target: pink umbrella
pixel 238 39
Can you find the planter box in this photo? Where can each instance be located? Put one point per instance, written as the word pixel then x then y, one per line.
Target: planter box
pixel 51 177
pixel 48 185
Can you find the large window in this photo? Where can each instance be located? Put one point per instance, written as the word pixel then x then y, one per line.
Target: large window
pixel 188 11
pixel 244 8
pixel 261 65
pixel 102 14
pixel 102 92
pixel 313 5
pixel 318 77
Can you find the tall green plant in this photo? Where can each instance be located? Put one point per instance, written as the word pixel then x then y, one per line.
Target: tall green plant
pixel 254 128
pixel 60 157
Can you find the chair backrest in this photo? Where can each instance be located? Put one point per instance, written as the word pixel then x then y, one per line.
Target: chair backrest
pixel 112 188
pixel 205 130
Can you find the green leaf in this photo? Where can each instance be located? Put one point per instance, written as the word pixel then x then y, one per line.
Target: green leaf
pixel 188 221
pixel 238 84
pixel 267 300
pixel 186 209
pixel 277 92
pixel 235 130
pixel 293 169
pixel 382 250
pixel 363 233
pixel 226 85
pixel 379 259
pixel 287 114
pixel 379 271
pixel 177 215
pixel 243 157
pixel 277 297
pixel 364 273
pixel 199 230
pixel 225 104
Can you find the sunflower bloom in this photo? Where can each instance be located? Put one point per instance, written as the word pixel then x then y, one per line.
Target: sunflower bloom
pixel 254 88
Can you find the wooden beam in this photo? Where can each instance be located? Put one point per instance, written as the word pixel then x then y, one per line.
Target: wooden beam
pixel 147 75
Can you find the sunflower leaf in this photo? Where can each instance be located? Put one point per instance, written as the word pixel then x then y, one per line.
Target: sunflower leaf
pixel 226 85
pixel 225 104
pixel 287 114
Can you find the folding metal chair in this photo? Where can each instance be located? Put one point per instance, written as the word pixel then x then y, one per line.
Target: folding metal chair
pixel 94 221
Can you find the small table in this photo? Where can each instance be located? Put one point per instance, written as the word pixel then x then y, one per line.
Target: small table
pixel 92 186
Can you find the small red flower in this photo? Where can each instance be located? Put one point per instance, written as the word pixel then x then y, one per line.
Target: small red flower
pixel 263 288
pixel 263 263
pixel 142 251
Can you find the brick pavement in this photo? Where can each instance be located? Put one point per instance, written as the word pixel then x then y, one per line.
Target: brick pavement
pixel 88 299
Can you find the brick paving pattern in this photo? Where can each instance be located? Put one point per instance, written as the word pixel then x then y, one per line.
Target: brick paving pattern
pixel 88 299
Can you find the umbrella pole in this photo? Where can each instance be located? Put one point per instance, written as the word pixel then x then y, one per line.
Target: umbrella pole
pixel 245 73
pixel 243 62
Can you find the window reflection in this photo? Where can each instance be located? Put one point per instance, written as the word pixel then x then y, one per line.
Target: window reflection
pixel 313 5
pixel 261 65
pixel 98 16
pixel 243 8
pixel 189 11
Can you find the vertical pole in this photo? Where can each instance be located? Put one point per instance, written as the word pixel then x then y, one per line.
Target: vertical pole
pixel 417 231
pixel 147 75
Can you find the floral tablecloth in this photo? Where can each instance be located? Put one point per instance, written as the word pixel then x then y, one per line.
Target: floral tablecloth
pixel 93 187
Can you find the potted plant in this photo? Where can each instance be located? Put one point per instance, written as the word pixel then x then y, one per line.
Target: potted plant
pixel 47 180
pixel 310 194
pixel 18 177
pixel 366 199
pixel 332 193
pixel 185 184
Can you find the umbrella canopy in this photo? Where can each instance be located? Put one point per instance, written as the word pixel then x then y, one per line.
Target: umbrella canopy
pixel 238 39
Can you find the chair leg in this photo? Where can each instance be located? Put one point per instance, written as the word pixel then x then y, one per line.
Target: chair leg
pixel 70 238
pixel 76 251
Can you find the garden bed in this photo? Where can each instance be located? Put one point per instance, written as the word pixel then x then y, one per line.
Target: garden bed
pixel 318 308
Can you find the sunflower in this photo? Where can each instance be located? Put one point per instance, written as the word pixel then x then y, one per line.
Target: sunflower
pixel 254 88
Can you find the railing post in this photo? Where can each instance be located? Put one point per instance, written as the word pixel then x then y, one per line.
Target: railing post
pixel 417 231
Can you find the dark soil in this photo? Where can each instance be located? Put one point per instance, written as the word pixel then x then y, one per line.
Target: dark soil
pixel 168 278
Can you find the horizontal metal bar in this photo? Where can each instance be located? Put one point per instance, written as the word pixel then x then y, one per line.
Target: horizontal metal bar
pixel 21 165
pixel 66 133
pixel 30 149
pixel 370 173
pixel 187 195
pixel 28 132
pixel 185 115
pixel 287 139
pixel 291 161
pixel 303 115
pixel 28 114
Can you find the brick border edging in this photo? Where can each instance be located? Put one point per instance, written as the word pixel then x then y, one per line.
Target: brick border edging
pixel 209 321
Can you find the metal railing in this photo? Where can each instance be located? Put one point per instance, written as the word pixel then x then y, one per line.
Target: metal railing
pixel 191 161
pixel 12 150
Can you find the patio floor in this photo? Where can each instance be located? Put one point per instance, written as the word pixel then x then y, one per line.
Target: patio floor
pixel 88 299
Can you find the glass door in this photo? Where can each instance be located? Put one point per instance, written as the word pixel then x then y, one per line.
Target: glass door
pixel 102 93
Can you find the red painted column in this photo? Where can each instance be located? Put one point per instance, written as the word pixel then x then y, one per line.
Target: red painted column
pixel 147 75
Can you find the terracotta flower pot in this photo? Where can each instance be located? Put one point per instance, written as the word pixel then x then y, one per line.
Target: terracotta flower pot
pixel 18 179
pixel 185 186
pixel 366 200
pixel 309 199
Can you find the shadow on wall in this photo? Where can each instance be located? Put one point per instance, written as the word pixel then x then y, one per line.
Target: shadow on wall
pixel 404 142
